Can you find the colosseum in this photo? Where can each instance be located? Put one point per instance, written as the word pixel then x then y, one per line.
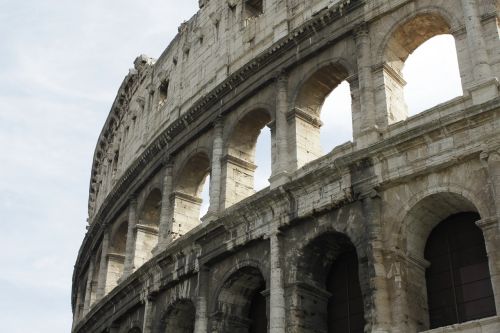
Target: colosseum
pixel 397 231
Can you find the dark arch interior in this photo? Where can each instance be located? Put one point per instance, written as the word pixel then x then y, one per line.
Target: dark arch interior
pixel 245 134
pixel 192 176
pixel 119 239
pixel 150 214
pixel 241 297
pixel 331 263
pixel 180 318
pixel 345 306
pixel 458 278
pixel 257 312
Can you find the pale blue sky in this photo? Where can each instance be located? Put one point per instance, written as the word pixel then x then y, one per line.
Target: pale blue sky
pixel 61 65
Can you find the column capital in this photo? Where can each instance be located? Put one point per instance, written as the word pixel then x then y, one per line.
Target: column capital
pixel 219 122
pixel 132 199
pixel 361 30
pixel 167 160
pixel 281 76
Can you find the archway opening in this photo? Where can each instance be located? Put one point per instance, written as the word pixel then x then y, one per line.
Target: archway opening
pixel 116 255
pixel 239 164
pixel 432 74
pixel 191 185
pixel 241 306
pixel 323 101
pixel 263 159
pixel 336 116
pixel 329 268
pixel 205 197
pixel 180 317
pixel 146 233
pixel 426 69
pixel 458 277
pixel 419 225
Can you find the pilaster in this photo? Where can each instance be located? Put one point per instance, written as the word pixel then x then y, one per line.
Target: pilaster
pixel 485 85
pixel 277 316
pixel 201 321
pixel 216 170
pixel 281 163
pixel 166 212
pixel 128 267
pixel 103 266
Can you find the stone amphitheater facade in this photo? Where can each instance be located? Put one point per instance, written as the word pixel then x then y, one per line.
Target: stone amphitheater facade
pixel 397 231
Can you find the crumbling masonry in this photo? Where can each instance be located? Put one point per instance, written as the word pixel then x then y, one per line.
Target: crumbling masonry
pixel 397 231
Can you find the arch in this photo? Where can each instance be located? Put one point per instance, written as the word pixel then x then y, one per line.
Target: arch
pixel 328 281
pixel 426 211
pixel 240 305
pixel 458 279
pixel 188 186
pixel 405 36
pixel 118 237
pixel 452 199
pixel 238 167
pixel 116 254
pixel 314 88
pixel 307 101
pixel 179 317
pixel 150 212
pixel 146 233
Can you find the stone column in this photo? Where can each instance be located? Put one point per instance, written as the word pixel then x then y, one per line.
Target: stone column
pixel 475 39
pixel 128 267
pixel 367 126
pixel 491 233
pixel 166 209
pixel 277 315
pixel 216 172
pixel 377 274
pixel 148 313
pixel 88 287
pixel 103 266
pixel 486 86
pixel 280 165
pixel 201 321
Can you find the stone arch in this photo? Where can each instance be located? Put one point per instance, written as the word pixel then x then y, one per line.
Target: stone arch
pixel 404 37
pixel 116 254
pixel 424 213
pixel 149 213
pixel 146 233
pixel 307 99
pixel 310 92
pixel 188 184
pixel 238 164
pixel 458 197
pixel 329 285
pixel 179 317
pixel 239 303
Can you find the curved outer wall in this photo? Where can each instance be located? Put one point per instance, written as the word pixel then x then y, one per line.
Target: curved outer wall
pixel 147 263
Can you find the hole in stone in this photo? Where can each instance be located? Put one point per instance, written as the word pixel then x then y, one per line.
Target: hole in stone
pixel 336 118
pixel 263 159
pixel 432 74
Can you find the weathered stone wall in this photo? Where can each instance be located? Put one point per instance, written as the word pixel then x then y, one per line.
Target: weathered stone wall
pixel 147 263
